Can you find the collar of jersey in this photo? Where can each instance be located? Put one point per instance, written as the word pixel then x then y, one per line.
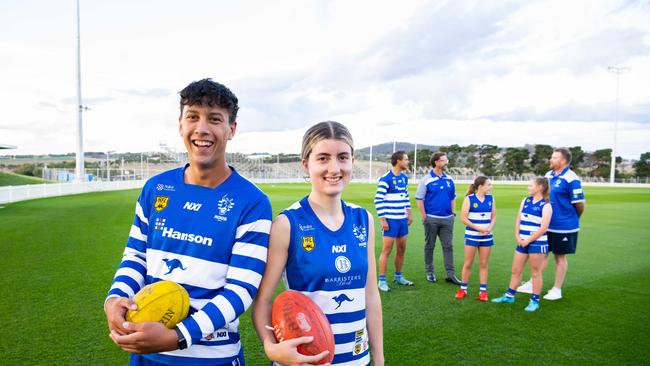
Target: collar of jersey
pixel 305 204
pixel 566 169
pixel 181 177
pixel 434 175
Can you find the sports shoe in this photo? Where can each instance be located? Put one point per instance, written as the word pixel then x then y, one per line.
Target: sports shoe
pixel 553 294
pixel 483 296
pixel 504 299
pixel 402 281
pixel 532 306
pixel 526 287
pixel 461 294
pixel 431 277
pixel 383 286
pixel 453 279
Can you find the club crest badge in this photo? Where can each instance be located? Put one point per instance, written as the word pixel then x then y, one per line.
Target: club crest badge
pixel 360 233
pixel 308 243
pixel 225 204
pixel 161 203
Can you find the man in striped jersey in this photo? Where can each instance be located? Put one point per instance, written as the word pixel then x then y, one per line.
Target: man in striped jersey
pixel 394 211
pixel 203 226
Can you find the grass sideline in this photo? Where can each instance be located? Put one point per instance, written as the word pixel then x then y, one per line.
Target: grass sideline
pixel 12 179
pixel 60 255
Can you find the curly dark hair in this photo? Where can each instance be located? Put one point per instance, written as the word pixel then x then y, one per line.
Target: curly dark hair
pixel 210 93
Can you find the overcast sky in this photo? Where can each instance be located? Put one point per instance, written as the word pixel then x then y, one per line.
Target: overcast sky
pixel 433 72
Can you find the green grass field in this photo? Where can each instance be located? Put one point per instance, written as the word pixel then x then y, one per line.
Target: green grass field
pixel 11 179
pixel 59 256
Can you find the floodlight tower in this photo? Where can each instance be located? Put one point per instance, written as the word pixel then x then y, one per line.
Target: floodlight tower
pixel 618 70
pixel 80 174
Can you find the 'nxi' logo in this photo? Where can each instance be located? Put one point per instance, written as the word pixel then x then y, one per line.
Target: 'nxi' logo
pixel 192 206
pixel 339 248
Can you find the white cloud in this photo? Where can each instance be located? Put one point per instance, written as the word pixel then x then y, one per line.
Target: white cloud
pixel 457 71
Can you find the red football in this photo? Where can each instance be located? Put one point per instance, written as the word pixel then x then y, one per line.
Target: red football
pixel 295 315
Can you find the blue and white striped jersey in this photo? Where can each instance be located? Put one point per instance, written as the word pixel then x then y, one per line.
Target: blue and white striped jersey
pixel 531 220
pixel 331 268
pixel 565 190
pixel 480 214
pixel 211 241
pixel 392 197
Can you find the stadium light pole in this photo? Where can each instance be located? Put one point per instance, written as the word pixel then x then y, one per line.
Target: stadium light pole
pixel 370 169
pixel 618 70
pixel 415 161
pixel 108 165
pixel 79 169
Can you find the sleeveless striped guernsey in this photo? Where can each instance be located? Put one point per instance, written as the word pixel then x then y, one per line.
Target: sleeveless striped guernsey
pixel 531 221
pixel 331 268
pixel 480 214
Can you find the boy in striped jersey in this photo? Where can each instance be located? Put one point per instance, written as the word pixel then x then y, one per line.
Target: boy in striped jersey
pixel 203 226
pixel 394 211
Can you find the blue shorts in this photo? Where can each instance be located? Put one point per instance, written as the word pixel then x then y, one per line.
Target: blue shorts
pixel 533 249
pixel 396 228
pixel 140 360
pixel 475 243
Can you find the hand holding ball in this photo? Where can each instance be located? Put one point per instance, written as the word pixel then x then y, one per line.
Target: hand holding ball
pixel 165 302
pixel 295 315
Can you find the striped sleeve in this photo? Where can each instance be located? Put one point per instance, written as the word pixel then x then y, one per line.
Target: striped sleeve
pixel 132 271
pixel 408 198
pixel 380 197
pixel 245 270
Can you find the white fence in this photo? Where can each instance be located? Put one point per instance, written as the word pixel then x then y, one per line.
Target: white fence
pixel 27 192
pixel 32 191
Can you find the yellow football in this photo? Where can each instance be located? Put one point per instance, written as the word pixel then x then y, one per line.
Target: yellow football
pixel 165 302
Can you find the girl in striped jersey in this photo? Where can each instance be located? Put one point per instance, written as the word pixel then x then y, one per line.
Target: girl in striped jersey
pixel 324 248
pixel 530 232
pixel 479 214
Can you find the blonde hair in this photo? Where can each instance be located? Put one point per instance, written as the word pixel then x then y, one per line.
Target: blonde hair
pixel 323 131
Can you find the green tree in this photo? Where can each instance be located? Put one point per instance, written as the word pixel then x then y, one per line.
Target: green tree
pixel 424 156
pixel 642 166
pixel 539 160
pixel 601 158
pixel 487 156
pixel 472 161
pixel 516 160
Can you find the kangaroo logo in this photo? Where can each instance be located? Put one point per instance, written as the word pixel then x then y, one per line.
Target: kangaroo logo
pixel 172 264
pixel 340 299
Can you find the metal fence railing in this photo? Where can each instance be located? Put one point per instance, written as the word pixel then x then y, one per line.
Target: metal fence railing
pixel 32 191
pixel 27 192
